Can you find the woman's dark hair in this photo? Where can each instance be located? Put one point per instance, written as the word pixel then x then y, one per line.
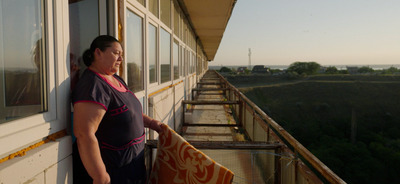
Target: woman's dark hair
pixel 102 42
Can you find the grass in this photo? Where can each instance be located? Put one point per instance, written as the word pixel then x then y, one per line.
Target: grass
pixel 318 111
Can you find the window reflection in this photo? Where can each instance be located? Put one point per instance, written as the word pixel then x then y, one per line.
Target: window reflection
pixel 165 56
pixel 176 19
pixel 152 53
pixel 181 60
pixel 134 51
pixel 22 90
pixel 153 7
pixel 141 2
pixel 165 15
pixel 83 28
pixel 176 60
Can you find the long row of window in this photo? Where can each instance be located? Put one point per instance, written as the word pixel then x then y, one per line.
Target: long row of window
pixel 158 39
pixel 171 47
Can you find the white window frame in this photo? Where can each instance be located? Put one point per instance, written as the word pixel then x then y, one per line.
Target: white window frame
pixel 20 133
pixel 168 30
pixel 154 84
pixel 178 60
pixel 130 7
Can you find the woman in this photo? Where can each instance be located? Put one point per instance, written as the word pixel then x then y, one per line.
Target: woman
pixel 108 120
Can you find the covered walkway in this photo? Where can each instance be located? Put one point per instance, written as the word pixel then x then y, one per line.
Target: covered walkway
pixel 209 125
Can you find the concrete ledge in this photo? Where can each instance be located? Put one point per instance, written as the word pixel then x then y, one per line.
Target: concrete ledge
pixel 37 161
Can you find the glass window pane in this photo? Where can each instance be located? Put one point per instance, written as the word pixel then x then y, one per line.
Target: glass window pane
pixel 166 12
pixel 181 27
pixel 22 71
pixel 152 53
pixel 189 62
pixel 176 60
pixel 181 61
pixel 165 56
pixel 141 2
pixel 193 63
pixel 176 19
pixel 153 7
pixel 134 51
pixel 83 29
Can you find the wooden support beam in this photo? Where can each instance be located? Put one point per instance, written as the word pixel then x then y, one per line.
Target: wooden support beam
pixel 211 93
pixel 210 83
pixel 226 145
pixel 210 125
pixel 214 78
pixel 207 102
pixel 210 89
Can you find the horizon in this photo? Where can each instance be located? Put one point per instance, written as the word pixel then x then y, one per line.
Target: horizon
pixel 339 66
pixel 338 32
pixel 318 63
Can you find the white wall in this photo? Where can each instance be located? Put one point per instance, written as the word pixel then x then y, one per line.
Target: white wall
pixel 49 163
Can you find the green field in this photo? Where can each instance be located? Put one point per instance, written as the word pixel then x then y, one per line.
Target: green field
pixel 350 122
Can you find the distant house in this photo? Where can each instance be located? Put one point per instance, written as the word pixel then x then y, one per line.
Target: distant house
pixel 260 69
pixel 322 69
pixel 241 69
pixel 352 69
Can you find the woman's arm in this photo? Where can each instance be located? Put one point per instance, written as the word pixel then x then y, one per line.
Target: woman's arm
pixel 152 123
pixel 87 117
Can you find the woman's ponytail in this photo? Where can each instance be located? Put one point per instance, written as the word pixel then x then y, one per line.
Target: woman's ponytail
pixel 87 57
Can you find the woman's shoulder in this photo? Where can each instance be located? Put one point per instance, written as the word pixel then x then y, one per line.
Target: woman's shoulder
pixel 90 87
pixel 90 81
pixel 87 78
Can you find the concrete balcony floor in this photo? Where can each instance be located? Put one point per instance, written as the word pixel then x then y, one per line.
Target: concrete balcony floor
pixel 241 162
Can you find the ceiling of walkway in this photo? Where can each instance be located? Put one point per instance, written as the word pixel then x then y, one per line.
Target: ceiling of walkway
pixel 209 19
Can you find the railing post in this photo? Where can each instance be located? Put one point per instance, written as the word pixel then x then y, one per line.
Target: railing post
pixel 241 120
pixel 296 163
pixel 228 94
pixel 183 112
pixel 278 172
pixel 149 162
pixel 268 133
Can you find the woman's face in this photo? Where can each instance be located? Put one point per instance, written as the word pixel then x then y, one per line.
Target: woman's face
pixel 111 58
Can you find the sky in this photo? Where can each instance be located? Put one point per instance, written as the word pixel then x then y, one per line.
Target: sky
pixel 329 32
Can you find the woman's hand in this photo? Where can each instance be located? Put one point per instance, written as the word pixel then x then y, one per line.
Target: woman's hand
pixel 152 123
pixel 156 126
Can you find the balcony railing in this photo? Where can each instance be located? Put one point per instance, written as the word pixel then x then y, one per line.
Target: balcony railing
pixel 273 155
pixel 260 127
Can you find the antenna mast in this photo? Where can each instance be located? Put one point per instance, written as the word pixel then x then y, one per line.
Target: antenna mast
pixel 249 58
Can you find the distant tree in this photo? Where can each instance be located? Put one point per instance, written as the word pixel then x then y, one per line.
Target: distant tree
pixel 365 69
pixel 391 70
pixel 275 71
pixel 308 68
pixel 225 69
pixel 331 70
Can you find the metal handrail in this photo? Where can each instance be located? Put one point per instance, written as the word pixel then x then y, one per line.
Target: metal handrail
pixel 327 173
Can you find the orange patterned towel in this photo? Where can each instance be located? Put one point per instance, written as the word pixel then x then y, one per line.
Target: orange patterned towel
pixel 179 162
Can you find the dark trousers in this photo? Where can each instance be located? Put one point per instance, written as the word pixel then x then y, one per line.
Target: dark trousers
pixel 132 173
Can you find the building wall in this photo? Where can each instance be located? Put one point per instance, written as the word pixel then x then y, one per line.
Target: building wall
pixel 52 162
